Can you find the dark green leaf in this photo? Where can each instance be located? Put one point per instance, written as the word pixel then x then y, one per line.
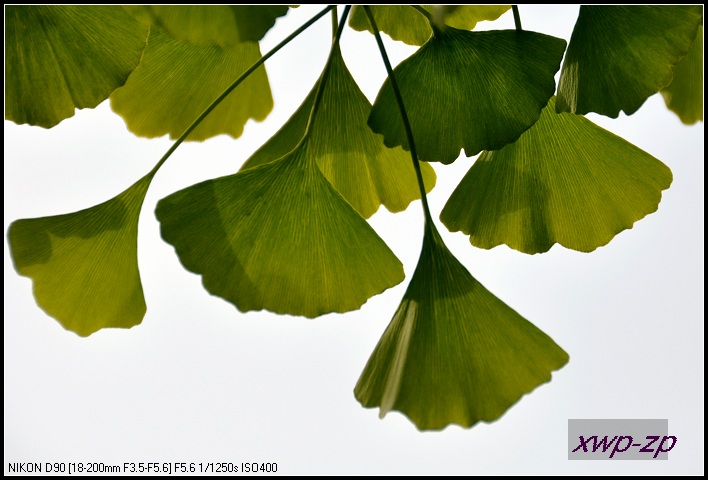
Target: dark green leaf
pixel 85 264
pixel 353 159
pixel 278 237
pixel 684 96
pixel 59 58
pixel 472 90
pixel 176 81
pixel 454 353
pixel 618 56
pixel 566 180
pixel 223 25
pixel 402 22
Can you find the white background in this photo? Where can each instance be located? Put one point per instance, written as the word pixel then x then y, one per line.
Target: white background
pixel 199 381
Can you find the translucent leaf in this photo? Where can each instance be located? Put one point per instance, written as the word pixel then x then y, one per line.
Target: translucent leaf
pixel 684 95
pixel 59 58
pixel 84 265
pixel 618 56
pixel 472 90
pixel 565 181
pixel 176 81
pixel 223 25
pixel 353 159
pixel 278 237
pixel 402 22
pixel 454 353
pixel 465 17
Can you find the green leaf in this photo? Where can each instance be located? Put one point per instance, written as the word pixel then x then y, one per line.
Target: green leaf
pixel 684 95
pixel 618 56
pixel 176 81
pixel 401 22
pixel 454 353
pixel 566 180
pixel 465 17
pixel 472 90
pixel 84 265
pixel 353 159
pixel 223 25
pixel 59 58
pixel 278 237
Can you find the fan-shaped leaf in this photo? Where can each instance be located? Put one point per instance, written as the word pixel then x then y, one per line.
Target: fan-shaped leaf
pixel 566 180
pixel 401 22
pixel 619 55
pixel 684 96
pixel 223 25
pixel 472 90
pixel 85 264
pixel 454 353
pixel 465 17
pixel 352 158
pixel 177 80
pixel 60 57
pixel 278 237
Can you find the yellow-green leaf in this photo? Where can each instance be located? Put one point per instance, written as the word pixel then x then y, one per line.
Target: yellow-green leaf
pixel 472 90
pixel 352 158
pixel 684 95
pixel 59 58
pixel 454 352
pixel 565 180
pixel 278 237
pixel 177 80
pixel 402 22
pixel 619 55
pixel 223 25
pixel 84 265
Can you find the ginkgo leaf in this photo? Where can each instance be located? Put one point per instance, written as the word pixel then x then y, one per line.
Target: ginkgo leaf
pixel 684 95
pixel 59 58
pixel 352 158
pixel 465 17
pixel 177 80
pixel 84 265
pixel 402 22
pixel 566 181
pixel 472 90
pixel 620 55
pixel 278 237
pixel 454 352
pixel 223 25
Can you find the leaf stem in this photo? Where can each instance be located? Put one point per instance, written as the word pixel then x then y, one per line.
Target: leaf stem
pixel 325 72
pixel 235 84
pixel 404 118
pixel 517 18
pixel 423 12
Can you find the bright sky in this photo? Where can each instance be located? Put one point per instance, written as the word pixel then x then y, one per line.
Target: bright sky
pixel 200 382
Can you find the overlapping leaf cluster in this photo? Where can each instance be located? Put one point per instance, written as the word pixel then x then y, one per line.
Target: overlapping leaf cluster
pixel 288 233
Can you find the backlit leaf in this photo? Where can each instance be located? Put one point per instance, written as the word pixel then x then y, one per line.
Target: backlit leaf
pixel 84 265
pixel 59 58
pixel 684 95
pixel 402 22
pixel 619 55
pixel 223 25
pixel 352 158
pixel 454 352
pixel 565 181
pixel 278 237
pixel 176 81
pixel 472 90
